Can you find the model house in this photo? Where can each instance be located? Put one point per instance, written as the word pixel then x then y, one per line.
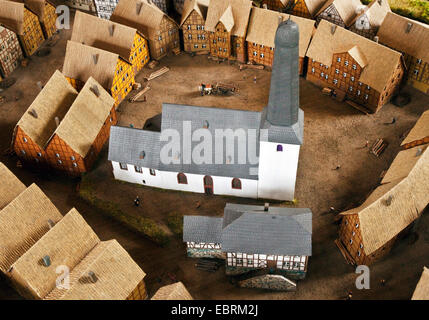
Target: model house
pixel 260 41
pixel 227 22
pixel 161 31
pixel 25 23
pixel 370 18
pixel 422 290
pixel 339 12
pixel 419 134
pixel 175 291
pixel 110 70
pixel 277 5
pixel 357 68
pixel 409 37
pixel 369 231
pixel 86 5
pixel 105 8
pixel 274 136
pixel 161 4
pixel 37 241
pixel 127 42
pixel 280 238
pixel 195 37
pixel 10 52
pixel 305 8
pixel 63 129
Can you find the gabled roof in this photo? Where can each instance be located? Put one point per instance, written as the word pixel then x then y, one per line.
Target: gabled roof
pixel 345 8
pixel 10 186
pixel 116 272
pixel 175 291
pixel 82 62
pixel 227 19
pixel 66 244
pixel 376 11
pixel 85 118
pixel 393 33
pixel 36 6
pixel 191 5
pixel 313 6
pixel 202 229
pixel 23 222
pixel 12 15
pixel 240 11
pixel 422 289
pixel 420 129
pixel 53 101
pixel 104 34
pixel 382 61
pixel 263 25
pixel 357 55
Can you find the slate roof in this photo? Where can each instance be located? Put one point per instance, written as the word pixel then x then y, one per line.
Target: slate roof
pixel 202 229
pixel 284 134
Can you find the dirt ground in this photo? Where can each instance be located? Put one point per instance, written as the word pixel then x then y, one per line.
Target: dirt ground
pixel 334 135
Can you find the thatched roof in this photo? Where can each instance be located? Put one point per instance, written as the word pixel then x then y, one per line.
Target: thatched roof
pixel 422 290
pixel 191 5
pixel 382 61
pixel 53 101
pixel 23 222
pixel 263 26
pixel 82 62
pixel 345 8
pixel 66 244
pixel 105 34
pixel 240 11
pixel 85 118
pixel 116 272
pixel 376 11
pixel 420 129
pixel 393 33
pixel 393 206
pixel 10 186
pixel 175 291
pixel 12 15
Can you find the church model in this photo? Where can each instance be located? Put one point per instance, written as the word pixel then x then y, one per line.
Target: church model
pixel 160 160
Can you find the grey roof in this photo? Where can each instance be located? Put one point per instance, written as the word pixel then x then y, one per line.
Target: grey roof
pixel 174 116
pixel 127 144
pixel 285 134
pixel 202 229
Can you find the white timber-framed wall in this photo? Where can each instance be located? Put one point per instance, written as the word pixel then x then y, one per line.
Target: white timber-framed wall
pixel 294 263
pixel 203 245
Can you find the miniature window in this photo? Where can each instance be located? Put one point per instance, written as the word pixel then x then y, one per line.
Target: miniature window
pixel 346 63
pixel 24 139
pixel 202 27
pixel 160 38
pixel 236 183
pixel 357 225
pixel 74 164
pixel 72 158
pixel 239 262
pixel 361 246
pixel 39 154
pixel 419 61
pixel 345 75
pixel 189 27
pixel 352 79
pixel 337 71
pixel 354 67
pixel 189 36
pixel 59 161
pixel 358 253
pixel 196 46
pixel 138 169
pixel 57 155
pixel 152 172
pixel 351 89
pixel 203 46
pixel 335 81
pixel 181 178
pixel 339 59
pixel 279 148
pixel 162 50
pixel 255 53
pixel 23 152
pixel 312 70
pixel 123 166
pixel 351 241
pixel 203 37
pixel 205 124
pixel 368 87
pixel 358 92
pixel 416 72
pixel 321 64
pixel 262 55
pixel 224 50
pixel 366 97
pixel 360 83
pixel 322 74
pixel 198 27
pixel 238 45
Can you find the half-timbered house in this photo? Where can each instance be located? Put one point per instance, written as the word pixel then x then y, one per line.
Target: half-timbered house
pixel 113 73
pixel 105 8
pixel 367 22
pixel 86 5
pixel 25 23
pixel 357 68
pixel 160 30
pixel 339 12
pixel 411 38
pixel 276 5
pixel 281 238
pixel 10 52
pixel 227 22
pixel 422 289
pixel 195 37
pixel 305 8
pixel 63 129
pixel 125 41
pixel 261 34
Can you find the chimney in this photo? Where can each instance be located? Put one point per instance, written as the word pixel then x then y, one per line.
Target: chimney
pixel 265 6
pixel 57 121
pixel 51 224
pixel 283 102
pixel 266 206
pixel 92 277
pixel 46 260
pixel 409 26
pixel 333 28
pixel 95 90
pixel 95 58
pixel 138 7
pixel 111 30
pixel 33 113
pixel 376 39
pixel 280 19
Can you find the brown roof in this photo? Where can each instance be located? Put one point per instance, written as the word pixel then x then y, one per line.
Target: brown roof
pixel 117 275
pixel 10 186
pixel 422 289
pixel 147 19
pixel 85 118
pixel 376 11
pixel 23 222
pixel 420 129
pixel 381 221
pixel 358 56
pixel 12 15
pixel 240 11
pixel 80 64
pixel 66 244
pixel 53 101
pixel 119 42
pixel 393 33
pixel 382 61
pixel 175 291
pixel 313 6
pixel 227 19
pixel 263 26
pixel 345 8
pixel 191 5
pixel 36 6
